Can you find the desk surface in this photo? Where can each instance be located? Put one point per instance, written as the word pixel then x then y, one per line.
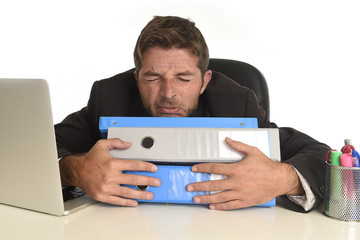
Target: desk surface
pixel 170 221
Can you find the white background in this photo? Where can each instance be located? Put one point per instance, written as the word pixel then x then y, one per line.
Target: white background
pixel 308 51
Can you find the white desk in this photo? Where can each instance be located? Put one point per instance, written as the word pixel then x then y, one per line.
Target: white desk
pixel 165 221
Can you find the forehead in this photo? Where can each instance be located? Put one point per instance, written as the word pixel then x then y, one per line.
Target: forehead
pixel 160 59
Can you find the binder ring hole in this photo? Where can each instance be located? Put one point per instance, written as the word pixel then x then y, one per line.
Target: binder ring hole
pixel 147 142
pixel 142 187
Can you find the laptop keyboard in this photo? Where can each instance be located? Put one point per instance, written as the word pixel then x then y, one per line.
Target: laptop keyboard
pixel 70 193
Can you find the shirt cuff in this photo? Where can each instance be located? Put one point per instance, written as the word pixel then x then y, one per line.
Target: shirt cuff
pixel 306 200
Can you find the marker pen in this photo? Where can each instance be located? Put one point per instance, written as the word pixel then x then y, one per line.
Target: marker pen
pixel 355 155
pixel 347 148
pixel 348 185
pixel 336 183
pixel 335 158
pixel 346 160
pixel 327 157
pixel 356 158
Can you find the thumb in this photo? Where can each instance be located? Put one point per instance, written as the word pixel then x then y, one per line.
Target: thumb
pixel 238 146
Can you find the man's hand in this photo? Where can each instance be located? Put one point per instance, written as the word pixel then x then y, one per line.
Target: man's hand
pixel 99 174
pixel 254 180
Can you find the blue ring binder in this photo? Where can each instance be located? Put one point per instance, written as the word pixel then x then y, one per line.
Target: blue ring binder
pixel 204 122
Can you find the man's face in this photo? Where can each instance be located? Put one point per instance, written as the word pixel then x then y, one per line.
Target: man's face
pixel 170 82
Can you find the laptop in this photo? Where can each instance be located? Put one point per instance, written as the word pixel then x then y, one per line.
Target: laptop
pixel 29 170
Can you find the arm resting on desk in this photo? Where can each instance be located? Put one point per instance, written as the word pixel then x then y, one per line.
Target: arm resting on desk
pixel 306 200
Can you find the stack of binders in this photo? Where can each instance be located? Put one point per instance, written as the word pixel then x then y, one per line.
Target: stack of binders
pixel 175 144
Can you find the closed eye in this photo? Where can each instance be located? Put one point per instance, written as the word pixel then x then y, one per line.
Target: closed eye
pixel 183 79
pixel 151 80
pixel 185 76
pixel 151 77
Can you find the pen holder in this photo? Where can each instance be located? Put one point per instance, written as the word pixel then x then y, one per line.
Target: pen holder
pixel 342 192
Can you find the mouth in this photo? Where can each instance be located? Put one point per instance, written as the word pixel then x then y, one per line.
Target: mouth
pixel 168 111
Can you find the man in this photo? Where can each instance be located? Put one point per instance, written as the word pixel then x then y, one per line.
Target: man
pixel 171 79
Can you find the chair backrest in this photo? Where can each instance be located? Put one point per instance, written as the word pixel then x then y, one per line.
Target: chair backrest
pixel 245 75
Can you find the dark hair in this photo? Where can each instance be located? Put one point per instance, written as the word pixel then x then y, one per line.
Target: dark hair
pixel 167 32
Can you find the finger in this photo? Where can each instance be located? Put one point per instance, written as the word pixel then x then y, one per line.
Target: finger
pixel 214 198
pixel 135 165
pixel 124 192
pixel 134 194
pixel 116 200
pixel 133 179
pixel 215 168
pixel 209 186
pixel 234 204
pixel 113 143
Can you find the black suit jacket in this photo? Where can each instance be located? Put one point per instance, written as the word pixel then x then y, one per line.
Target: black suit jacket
pixel 119 96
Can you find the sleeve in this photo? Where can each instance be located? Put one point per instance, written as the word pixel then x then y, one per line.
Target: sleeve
pixel 307 156
pixel 304 153
pixel 78 132
pixel 306 200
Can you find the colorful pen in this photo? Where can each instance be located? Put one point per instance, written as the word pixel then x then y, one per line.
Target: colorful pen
pixel 335 158
pixel 347 148
pixel 356 157
pixel 346 160
pixel 327 157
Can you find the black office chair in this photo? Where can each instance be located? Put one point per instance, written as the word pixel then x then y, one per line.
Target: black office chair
pixel 245 75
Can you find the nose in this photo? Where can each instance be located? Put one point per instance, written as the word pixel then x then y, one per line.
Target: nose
pixel 167 88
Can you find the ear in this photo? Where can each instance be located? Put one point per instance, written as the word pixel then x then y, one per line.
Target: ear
pixel 206 80
pixel 136 75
